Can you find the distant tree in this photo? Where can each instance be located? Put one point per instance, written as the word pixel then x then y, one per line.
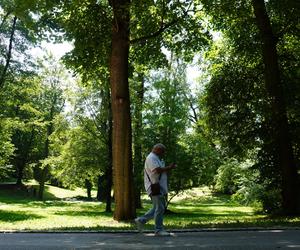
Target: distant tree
pixel 166 120
pixel 51 102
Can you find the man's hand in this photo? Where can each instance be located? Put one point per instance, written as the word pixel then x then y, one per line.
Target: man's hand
pixel 172 165
pixel 165 169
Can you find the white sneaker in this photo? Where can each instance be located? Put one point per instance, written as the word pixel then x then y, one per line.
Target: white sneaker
pixel 162 233
pixel 139 225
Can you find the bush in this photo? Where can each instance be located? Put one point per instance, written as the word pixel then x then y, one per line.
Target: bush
pixel 227 177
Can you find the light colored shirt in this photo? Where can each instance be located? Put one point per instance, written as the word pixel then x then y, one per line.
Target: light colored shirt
pixel 152 162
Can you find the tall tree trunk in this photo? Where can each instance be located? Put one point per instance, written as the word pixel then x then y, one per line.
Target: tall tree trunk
pixel 121 139
pixel 8 55
pixel 101 183
pixel 110 157
pixel 22 155
pixel 137 135
pixel 44 172
pixel 279 112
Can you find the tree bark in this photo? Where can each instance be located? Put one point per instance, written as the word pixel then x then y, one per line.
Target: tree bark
pixel 8 56
pixel 279 111
pixel 121 139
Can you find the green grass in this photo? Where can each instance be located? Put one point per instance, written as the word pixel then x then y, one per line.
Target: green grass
pixel 196 209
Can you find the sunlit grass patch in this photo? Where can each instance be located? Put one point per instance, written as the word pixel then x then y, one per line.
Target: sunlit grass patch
pixel 198 208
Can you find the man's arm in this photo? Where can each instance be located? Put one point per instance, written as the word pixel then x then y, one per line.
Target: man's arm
pixel 160 170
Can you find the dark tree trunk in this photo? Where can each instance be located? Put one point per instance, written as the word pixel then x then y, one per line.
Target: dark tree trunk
pixel 121 139
pixel 22 155
pixel 88 186
pixel 279 112
pixel 8 56
pixel 20 173
pixel 137 135
pixel 101 188
pixel 41 190
pixel 44 172
pixel 110 161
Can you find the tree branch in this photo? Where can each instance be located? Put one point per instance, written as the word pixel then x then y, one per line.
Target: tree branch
pixel 162 28
pixel 156 33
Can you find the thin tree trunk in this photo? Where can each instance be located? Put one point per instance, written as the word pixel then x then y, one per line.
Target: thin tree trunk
pixel 122 152
pixel 279 112
pixel 20 173
pixel 8 56
pixel 22 161
pixel 45 170
pixel 88 186
pixel 138 126
pixel 101 192
pixel 110 156
pixel 41 190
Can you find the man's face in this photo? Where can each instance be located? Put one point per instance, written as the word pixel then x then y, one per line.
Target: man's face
pixel 160 152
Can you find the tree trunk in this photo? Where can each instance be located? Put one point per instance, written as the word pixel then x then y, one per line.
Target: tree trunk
pixel 22 154
pixel 41 190
pixel 110 161
pixel 101 188
pixel 137 135
pixel 121 139
pixel 88 186
pixel 279 112
pixel 8 56
pixel 20 173
pixel 45 170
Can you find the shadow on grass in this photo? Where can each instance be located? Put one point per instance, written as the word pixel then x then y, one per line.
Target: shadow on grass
pixel 88 213
pixel 8 216
pixel 68 205
pixel 215 201
pixel 207 215
pixel 22 194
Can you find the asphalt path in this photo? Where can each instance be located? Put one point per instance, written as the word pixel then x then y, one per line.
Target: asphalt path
pixel 257 239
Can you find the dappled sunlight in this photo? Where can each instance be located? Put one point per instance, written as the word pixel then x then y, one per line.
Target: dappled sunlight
pixel 193 209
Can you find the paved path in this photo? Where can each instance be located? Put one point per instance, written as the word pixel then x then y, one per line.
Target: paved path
pixel 264 239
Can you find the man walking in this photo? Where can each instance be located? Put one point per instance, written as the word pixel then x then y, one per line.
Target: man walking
pixel 155 172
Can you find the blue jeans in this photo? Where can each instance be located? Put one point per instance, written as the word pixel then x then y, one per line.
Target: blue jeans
pixel 156 212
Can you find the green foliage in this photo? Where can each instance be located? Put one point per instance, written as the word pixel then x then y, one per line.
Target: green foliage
pixel 237 104
pixel 166 114
pixel 205 158
pixel 79 159
pixel 80 151
pixel 227 177
pixel 6 147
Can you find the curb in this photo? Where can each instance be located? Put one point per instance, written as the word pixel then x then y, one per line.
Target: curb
pixel 196 230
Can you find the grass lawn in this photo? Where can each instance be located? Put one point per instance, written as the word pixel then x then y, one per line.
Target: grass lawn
pixel 198 208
